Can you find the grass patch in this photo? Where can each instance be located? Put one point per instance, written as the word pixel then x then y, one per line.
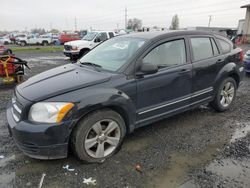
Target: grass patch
pixel 37 49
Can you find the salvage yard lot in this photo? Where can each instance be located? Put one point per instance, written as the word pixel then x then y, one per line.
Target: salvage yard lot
pixel 198 148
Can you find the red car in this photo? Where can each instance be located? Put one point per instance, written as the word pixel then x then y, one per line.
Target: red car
pixel 68 37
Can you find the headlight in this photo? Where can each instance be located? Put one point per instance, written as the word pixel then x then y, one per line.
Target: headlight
pixel 74 48
pixel 49 112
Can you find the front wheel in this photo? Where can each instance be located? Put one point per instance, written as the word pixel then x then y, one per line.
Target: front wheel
pixel 83 53
pixel 225 95
pixel 45 43
pixel 98 136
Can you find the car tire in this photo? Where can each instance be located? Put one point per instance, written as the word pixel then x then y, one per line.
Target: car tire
pixel 6 43
pixel 98 136
pixel 82 53
pixel 45 43
pixel 22 43
pixel 225 95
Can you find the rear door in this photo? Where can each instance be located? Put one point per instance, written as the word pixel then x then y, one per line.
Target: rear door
pixel 205 60
pixel 169 89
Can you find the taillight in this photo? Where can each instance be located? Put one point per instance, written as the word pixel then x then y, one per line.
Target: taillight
pixel 241 56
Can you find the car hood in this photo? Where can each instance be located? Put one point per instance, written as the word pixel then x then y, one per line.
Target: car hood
pixel 78 43
pixel 60 80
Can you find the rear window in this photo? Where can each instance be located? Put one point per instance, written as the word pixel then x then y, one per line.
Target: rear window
pixel 202 48
pixel 225 46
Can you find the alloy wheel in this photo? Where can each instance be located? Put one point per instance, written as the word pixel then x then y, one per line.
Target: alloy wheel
pixel 227 94
pixel 102 138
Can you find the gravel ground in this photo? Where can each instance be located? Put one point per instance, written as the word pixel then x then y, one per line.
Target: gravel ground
pixel 199 148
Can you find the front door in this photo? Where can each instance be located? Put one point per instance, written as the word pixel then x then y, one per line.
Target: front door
pixel 169 89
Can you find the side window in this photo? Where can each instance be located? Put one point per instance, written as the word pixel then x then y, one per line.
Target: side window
pixel 103 36
pixel 111 34
pixel 202 48
pixel 215 48
pixel 225 46
pixel 167 54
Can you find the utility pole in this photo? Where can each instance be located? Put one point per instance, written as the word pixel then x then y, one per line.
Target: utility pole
pixel 126 15
pixel 209 21
pixel 75 24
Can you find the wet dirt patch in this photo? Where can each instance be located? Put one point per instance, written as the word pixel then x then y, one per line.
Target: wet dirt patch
pixel 231 168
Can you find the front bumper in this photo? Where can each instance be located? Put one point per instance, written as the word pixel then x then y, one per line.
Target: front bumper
pixel 71 53
pixel 41 141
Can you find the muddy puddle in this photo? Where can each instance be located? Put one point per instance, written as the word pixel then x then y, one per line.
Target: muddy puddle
pixel 231 168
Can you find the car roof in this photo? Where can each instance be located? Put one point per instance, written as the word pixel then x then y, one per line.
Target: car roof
pixel 171 33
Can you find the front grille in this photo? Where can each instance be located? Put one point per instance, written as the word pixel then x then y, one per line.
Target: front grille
pixel 67 47
pixel 16 109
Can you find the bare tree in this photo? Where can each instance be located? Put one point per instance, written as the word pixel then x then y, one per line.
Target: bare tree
pixel 175 23
pixel 134 24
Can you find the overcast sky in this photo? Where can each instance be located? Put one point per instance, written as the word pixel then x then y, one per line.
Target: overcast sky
pixel 109 14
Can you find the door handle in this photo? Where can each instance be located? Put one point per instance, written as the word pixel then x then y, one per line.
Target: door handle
pixel 183 71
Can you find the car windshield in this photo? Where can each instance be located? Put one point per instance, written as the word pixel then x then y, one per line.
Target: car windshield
pixel 114 53
pixel 90 36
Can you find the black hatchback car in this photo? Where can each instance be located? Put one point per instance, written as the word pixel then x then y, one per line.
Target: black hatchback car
pixel 124 83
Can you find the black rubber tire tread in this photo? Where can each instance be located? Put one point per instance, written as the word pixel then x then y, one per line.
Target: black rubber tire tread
pixel 82 128
pixel 82 53
pixel 216 102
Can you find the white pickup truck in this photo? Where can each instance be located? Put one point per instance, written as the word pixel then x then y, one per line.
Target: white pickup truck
pixel 78 48
pixel 32 40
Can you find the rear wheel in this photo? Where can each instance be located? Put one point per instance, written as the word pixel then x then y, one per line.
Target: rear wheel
pixel 98 136
pixel 225 95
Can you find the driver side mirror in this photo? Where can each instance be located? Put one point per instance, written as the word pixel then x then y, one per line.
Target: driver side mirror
pixel 97 39
pixel 147 68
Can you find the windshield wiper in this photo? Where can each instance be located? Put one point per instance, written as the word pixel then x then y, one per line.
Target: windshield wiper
pixel 90 64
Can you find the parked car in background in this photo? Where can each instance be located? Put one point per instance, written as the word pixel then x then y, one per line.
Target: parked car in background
pixel 122 84
pixel 18 37
pixel 63 38
pixel 5 40
pixel 78 48
pixel 247 62
pixel 34 40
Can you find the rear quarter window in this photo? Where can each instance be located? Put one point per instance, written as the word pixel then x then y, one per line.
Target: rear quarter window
pixel 225 46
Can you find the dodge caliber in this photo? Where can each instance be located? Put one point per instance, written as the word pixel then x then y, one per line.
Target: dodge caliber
pixel 122 84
